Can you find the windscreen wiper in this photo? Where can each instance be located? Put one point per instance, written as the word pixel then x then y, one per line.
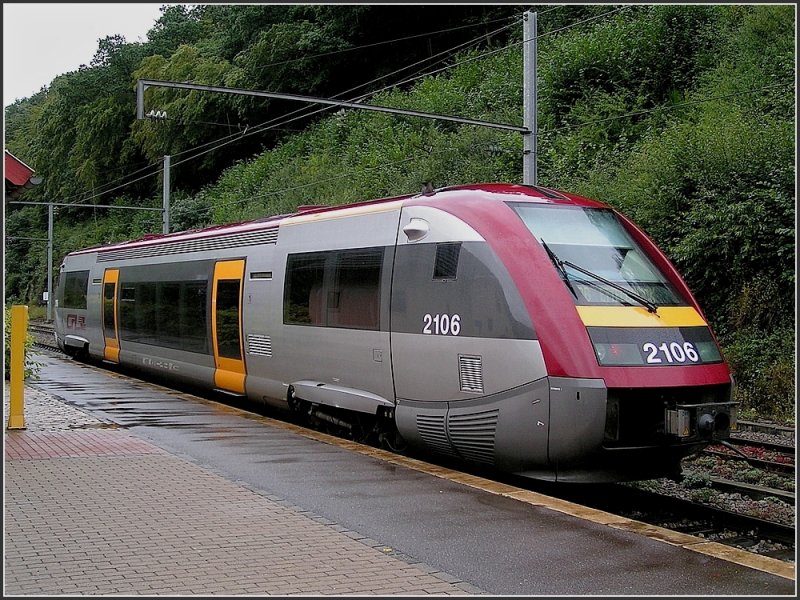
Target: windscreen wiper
pixel 643 301
pixel 560 266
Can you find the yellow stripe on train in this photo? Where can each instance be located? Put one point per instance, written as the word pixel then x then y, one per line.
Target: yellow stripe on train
pixel 638 316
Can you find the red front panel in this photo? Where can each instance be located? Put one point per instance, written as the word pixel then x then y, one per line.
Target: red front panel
pixel 566 346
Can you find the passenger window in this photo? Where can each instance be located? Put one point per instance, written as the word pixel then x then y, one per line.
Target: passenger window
pixel 166 305
pixel 192 315
pixel 228 318
pixel 169 314
pixel 354 301
pixel 340 288
pixel 303 301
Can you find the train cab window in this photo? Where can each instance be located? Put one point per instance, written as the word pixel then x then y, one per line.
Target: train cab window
pixel 595 241
pixel 446 265
pixel 75 285
pixel 228 318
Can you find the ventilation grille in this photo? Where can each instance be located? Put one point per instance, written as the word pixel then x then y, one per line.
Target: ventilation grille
pixel 431 430
pixel 470 374
pixel 260 345
pixel 264 236
pixel 473 435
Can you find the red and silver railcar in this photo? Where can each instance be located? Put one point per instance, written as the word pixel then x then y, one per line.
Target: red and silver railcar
pixel 519 327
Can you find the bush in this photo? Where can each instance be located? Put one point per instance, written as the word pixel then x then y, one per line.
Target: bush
pixel 763 367
pixel 31 366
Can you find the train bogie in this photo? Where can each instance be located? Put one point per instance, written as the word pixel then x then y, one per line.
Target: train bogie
pixel 510 326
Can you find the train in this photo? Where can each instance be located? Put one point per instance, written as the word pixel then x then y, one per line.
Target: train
pixel 512 327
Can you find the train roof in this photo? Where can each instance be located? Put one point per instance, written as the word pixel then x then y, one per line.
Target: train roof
pixel 497 192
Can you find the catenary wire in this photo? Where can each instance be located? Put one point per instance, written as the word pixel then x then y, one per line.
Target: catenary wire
pixel 514 44
pixel 283 120
pixel 269 124
pixel 262 127
pixel 258 128
pixel 265 126
pixel 374 44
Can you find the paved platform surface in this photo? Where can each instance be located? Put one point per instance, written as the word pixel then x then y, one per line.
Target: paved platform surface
pixel 92 510
pixel 118 486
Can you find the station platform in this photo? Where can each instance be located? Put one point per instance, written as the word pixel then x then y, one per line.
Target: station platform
pixel 120 486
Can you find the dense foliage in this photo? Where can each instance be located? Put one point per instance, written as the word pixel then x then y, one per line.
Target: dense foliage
pixel 682 117
pixel 30 365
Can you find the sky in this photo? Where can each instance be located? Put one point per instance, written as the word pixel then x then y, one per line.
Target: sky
pixel 42 41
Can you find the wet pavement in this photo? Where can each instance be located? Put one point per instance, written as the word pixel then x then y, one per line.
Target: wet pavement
pixel 91 509
pixel 195 497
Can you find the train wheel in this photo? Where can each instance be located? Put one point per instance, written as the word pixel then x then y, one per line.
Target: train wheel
pixel 392 440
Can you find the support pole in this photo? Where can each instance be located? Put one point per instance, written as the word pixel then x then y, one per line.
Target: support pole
pixel 530 93
pixel 50 261
pixel 19 331
pixel 165 220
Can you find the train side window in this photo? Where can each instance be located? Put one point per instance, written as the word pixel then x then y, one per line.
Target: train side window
pixel 355 297
pixel 127 308
pixel 75 285
pixel 446 265
pixel 339 288
pixel 303 300
pixel 167 305
pixel 192 316
pixel 228 318
pixel 170 314
pixel 167 323
pixel 145 311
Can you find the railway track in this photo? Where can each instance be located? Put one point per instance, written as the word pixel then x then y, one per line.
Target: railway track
pixel 42 333
pixel 756 467
pixel 726 526
pixel 757 492
pixel 784 448
pixel 722 525
pixel 753 427
pixel 779 466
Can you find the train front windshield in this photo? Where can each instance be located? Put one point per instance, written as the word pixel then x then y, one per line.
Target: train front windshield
pixel 596 256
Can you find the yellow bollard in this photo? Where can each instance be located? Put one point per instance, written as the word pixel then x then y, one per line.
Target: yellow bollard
pixel 19 331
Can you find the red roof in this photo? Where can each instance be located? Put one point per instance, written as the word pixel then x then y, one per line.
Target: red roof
pixel 16 171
